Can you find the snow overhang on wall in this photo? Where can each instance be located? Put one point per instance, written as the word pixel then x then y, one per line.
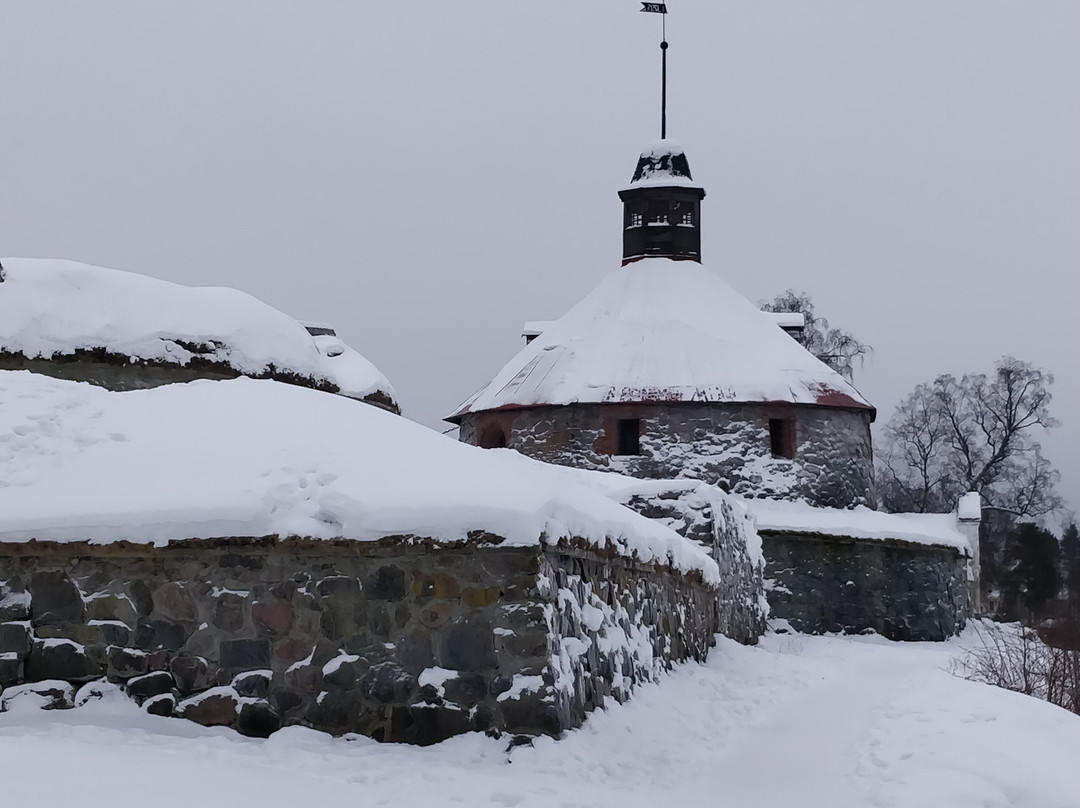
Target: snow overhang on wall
pixel 937 529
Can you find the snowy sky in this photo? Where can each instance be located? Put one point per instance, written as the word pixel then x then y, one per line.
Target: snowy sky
pixel 408 170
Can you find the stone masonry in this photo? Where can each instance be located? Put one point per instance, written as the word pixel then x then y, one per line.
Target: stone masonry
pixel 112 371
pixel 901 590
pixel 400 640
pixel 704 514
pixel 726 445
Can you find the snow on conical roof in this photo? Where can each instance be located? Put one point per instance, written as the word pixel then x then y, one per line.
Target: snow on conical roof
pixel 663 330
pixel 663 164
pixel 51 308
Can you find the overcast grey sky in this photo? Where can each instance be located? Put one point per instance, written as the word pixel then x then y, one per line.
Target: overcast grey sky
pixel 429 175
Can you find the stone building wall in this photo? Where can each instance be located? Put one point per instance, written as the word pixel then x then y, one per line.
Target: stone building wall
pixel 901 590
pixel 399 640
pixel 723 444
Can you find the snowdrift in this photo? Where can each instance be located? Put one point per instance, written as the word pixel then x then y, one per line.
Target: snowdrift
pixel 248 457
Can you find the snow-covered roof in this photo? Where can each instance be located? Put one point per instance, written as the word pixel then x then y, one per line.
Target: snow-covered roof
pixel 663 330
pixel 245 457
pixel 663 165
pixel 940 529
pixel 54 307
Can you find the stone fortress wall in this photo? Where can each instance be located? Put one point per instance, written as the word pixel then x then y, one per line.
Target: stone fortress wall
pixel 818 583
pixel 723 444
pixel 899 589
pixel 117 372
pixel 401 640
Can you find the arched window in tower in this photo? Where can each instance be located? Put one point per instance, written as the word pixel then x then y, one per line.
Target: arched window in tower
pixel 492 436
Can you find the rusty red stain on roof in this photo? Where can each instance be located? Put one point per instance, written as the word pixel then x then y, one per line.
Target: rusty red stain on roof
pixel 826 398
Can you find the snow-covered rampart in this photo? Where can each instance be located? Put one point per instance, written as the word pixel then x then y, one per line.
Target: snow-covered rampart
pixel 127 330
pixel 219 459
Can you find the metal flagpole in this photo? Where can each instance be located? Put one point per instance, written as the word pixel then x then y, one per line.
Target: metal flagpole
pixel 661 9
pixel 663 89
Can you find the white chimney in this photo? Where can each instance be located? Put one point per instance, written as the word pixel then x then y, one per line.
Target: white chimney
pixel 968 518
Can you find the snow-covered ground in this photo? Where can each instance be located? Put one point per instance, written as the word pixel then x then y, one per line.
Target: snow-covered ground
pixel 797 721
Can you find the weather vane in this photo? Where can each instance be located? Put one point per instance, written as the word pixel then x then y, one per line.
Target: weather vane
pixel 661 9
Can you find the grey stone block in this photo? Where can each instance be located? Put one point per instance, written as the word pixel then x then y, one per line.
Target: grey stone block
pixel 54 598
pixel 245 654
pixel 61 659
pixel 14 639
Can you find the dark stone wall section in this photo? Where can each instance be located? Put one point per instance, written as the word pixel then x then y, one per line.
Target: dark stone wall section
pixel 119 373
pixel 704 514
pixel 901 590
pixel 398 640
pixel 724 444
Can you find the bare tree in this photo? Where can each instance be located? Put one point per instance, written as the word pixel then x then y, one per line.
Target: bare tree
pixel 1044 664
pixel 912 473
pixel 836 348
pixel 975 433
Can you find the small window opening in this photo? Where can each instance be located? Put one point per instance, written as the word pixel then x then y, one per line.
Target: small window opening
pixel 629 435
pixel 492 437
pixel 687 219
pixel 635 219
pixel 658 218
pixel 782 437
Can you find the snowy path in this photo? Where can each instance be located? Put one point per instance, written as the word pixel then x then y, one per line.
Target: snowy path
pixel 814 740
pixel 799 721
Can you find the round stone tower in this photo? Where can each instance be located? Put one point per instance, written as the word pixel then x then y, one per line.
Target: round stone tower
pixel 663 370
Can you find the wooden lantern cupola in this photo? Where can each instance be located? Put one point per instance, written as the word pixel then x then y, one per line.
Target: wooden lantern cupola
pixel 662 207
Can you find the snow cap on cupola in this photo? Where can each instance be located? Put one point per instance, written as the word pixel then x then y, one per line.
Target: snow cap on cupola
pixel 662 207
pixel 663 163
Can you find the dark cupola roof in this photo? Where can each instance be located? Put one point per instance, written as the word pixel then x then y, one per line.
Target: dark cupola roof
pixel 664 162
pixel 662 207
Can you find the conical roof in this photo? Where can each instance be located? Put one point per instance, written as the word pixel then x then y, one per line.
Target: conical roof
pixel 663 330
